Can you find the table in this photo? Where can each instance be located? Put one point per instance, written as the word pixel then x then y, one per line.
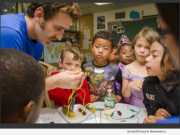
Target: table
pixel 130 114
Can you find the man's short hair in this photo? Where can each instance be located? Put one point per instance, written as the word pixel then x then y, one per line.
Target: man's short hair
pixel 52 8
pixel 21 80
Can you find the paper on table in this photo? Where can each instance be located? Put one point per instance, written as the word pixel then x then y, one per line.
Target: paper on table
pixel 99 105
pixel 48 115
pixel 129 114
pixel 79 118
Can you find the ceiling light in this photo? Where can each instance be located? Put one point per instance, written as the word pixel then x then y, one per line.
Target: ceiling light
pixel 5 10
pixel 102 3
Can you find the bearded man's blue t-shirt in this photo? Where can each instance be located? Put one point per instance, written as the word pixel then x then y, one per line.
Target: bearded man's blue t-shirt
pixel 13 34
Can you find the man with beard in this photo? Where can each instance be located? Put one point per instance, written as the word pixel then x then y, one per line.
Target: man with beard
pixel 43 23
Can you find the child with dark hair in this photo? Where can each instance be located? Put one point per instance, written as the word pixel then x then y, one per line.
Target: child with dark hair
pixel 125 57
pixel 162 87
pixel 21 88
pixel 99 70
pixel 114 57
pixel 126 51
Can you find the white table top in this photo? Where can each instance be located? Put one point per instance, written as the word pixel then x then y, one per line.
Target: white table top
pixel 129 114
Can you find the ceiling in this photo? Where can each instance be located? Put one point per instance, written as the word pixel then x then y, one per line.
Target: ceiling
pixel 87 8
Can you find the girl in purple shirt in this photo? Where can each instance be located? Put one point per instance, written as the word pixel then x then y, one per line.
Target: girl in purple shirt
pixel 134 73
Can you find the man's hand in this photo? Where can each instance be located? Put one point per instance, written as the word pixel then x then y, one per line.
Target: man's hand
pixel 65 79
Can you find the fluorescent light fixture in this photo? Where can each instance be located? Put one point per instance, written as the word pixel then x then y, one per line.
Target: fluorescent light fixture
pixel 102 3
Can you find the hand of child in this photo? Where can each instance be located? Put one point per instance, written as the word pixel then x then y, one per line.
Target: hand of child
pixel 150 119
pixel 162 113
pixel 118 98
pixel 94 98
pixel 136 84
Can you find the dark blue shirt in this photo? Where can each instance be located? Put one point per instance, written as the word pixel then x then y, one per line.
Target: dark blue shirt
pixel 13 34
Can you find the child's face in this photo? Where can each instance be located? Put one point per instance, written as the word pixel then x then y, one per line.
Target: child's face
pixel 101 50
pixel 154 59
pixel 68 62
pixel 114 55
pixel 126 54
pixel 142 49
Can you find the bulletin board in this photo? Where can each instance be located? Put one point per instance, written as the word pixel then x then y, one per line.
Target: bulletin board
pixel 133 27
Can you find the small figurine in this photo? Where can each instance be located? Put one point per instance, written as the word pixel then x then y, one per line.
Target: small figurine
pixel 109 99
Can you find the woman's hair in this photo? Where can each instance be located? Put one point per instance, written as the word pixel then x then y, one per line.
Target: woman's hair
pixel 78 55
pixel 149 34
pixel 170 14
pixel 167 64
pixel 52 8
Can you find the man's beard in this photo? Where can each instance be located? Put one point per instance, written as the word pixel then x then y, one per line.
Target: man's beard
pixel 44 36
pixel 41 33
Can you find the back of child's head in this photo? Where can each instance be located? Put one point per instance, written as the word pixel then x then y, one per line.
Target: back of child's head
pixel 106 35
pixel 77 53
pixel 22 80
pixel 148 34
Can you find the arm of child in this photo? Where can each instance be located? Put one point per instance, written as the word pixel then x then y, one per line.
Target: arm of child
pixel 151 119
pixel 118 98
pixel 136 84
pixel 126 91
pixel 162 113
pixel 151 99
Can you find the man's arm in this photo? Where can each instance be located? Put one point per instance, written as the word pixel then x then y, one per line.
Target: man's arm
pixel 64 79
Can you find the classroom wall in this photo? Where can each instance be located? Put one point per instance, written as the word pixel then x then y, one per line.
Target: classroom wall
pixel 145 10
